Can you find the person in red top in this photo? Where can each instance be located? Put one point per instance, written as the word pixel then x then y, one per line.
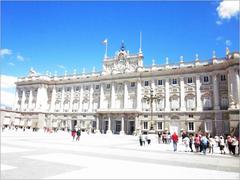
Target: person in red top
pixel 175 141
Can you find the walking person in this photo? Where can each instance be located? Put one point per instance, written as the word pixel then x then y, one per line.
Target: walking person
pixel 159 137
pixel 197 142
pixel 175 141
pixel 78 135
pixel 234 145
pixel 229 143
pixel 204 142
pixel 186 143
pixel 140 139
pixel 211 144
pixel 191 142
pixel 222 144
pixel 73 134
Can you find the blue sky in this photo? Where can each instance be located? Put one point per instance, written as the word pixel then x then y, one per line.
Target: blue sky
pixel 59 36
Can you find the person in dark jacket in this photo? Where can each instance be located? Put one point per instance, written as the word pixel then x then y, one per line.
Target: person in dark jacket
pixel 78 134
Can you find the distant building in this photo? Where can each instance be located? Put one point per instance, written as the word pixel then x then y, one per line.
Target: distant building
pixel 194 96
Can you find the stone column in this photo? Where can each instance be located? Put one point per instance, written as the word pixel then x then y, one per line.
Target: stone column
pixel 167 100
pixel 53 100
pixel 137 125
pixel 42 98
pixel 216 92
pixel 237 88
pixel 16 100
pixel 80 99
pixel 30 100
pixel 23 100
pixel 126 95
pixel 198 93
pixel 62 99
pixel 101 96
pixel 122 126
pixel 230 89
pixel 153 88
pixel 91 99
pixel 139 95
pixel 71 99
pixel 182 94
pixel 97 124
pixel 113 96
pixel 109 131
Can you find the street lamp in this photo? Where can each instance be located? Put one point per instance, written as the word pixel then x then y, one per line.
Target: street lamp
pixel 150 100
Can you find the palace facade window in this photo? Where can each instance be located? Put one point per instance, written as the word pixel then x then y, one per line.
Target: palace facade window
pixel 223 77
pixel 190 80
pixel 190 126
pixel 174 81
pixel 146 83
pixel 160 125
pixel 160 82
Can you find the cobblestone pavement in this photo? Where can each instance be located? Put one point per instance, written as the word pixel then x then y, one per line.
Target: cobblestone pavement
pixel 39 155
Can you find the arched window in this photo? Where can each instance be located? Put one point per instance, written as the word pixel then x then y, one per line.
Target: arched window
pixel 85 105
pixel 57 106
pixel 145 105
pixel 207 102
pixel 119 102
pixel 190 102
pixel 66 106
pixel 160 104
pixel 224 102
pixel 95 104
pixel 174 102
pixel 75 106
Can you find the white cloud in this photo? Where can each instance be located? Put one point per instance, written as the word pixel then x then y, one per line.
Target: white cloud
pixel 7 90
pixel 20 58
pixel 228 43
pixel 4 52
pixel 11 64
pixel 228 9
pixel 8 81
pixel 61 66
pixel 7 98
pixel 219 22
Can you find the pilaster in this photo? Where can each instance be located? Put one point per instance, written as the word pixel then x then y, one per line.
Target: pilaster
pixel 125 95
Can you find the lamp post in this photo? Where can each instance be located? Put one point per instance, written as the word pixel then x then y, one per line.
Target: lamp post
pixel 150 99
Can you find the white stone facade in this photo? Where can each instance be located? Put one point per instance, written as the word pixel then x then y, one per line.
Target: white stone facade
pixel 195 96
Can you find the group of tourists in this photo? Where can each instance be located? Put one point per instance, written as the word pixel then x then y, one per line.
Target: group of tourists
pixel 199 142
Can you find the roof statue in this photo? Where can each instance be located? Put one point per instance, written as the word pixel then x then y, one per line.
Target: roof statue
pixel 32 72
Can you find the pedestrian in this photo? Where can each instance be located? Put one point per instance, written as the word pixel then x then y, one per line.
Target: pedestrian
pixel 175 141
pixel 168 138
pixel 78 135
pixel 191 142
pixel 164 139
pixel 140 139
pixel 197 142
pixel 229 144
pixel 148 140
pixel 186 143
pixel 222 145
pixel 73 134
pixel 211 144
pixel 204 142
pixel 234 145
pixel 159 137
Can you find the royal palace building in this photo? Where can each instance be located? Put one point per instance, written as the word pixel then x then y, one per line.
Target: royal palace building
pixel 126 97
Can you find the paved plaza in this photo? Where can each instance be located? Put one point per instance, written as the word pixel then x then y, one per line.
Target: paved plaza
pixel 39 155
